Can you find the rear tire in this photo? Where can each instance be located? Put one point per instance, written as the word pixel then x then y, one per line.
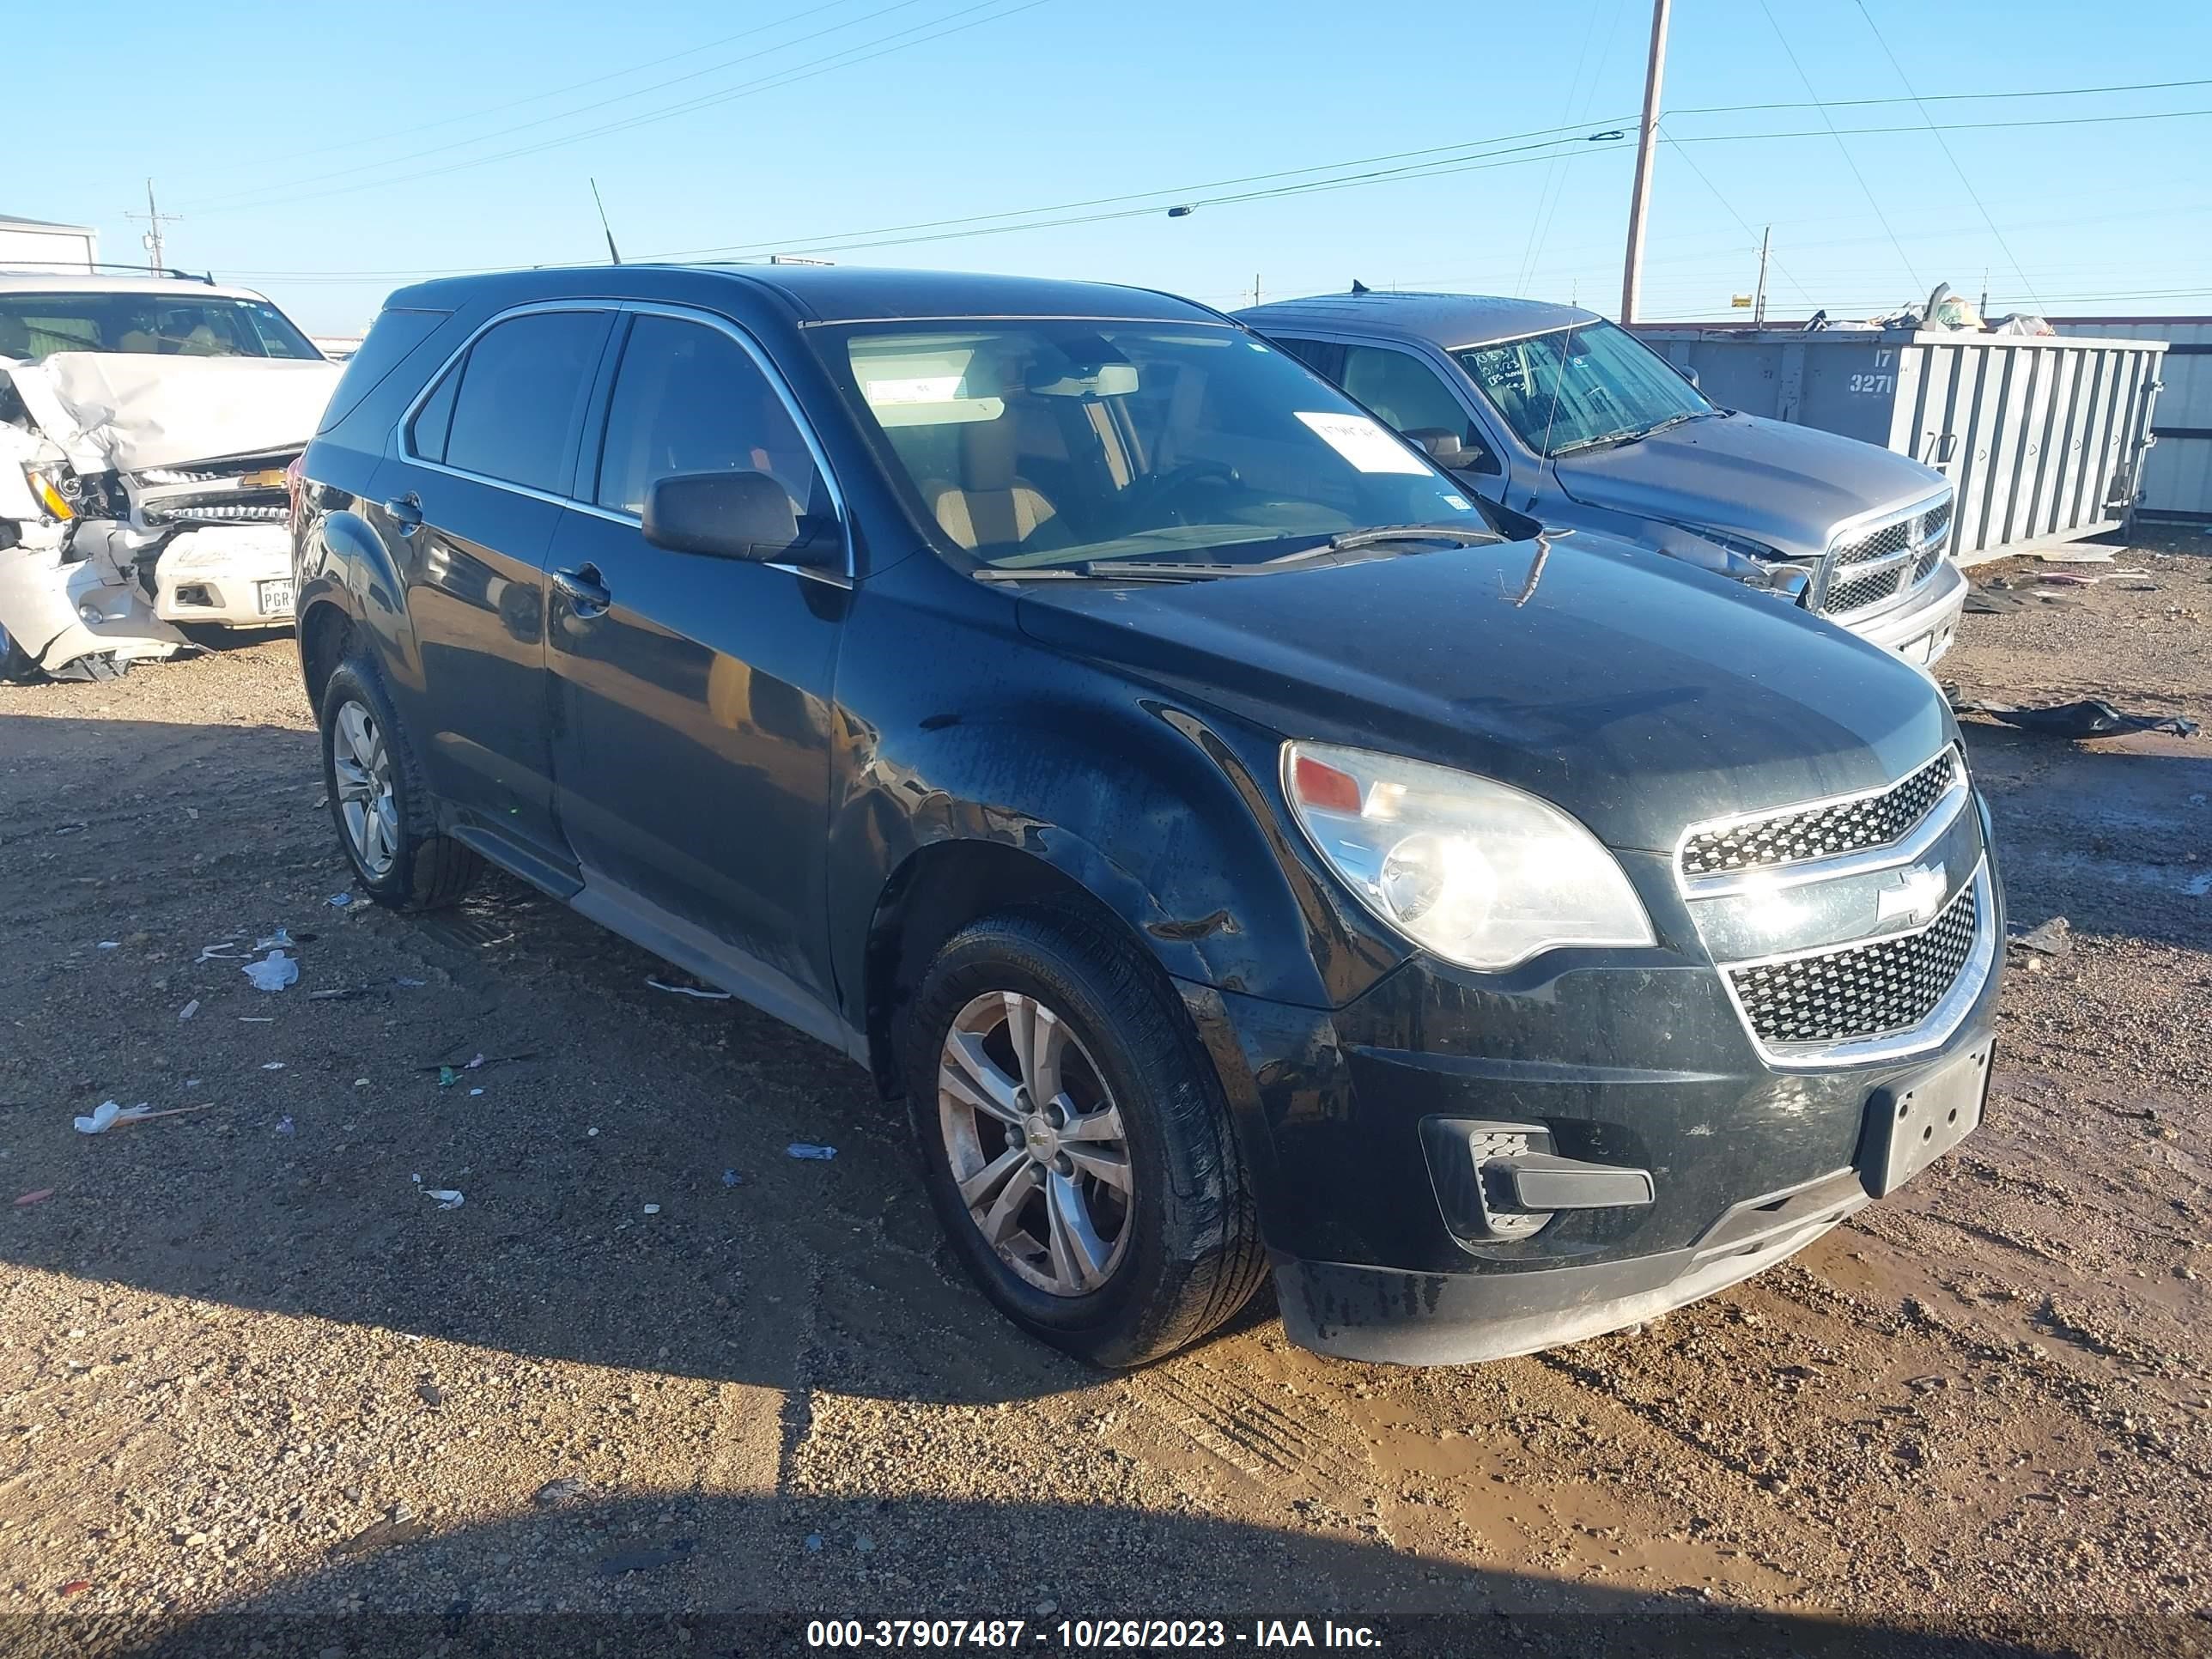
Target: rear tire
pixel 386 817
pixel 1135 1234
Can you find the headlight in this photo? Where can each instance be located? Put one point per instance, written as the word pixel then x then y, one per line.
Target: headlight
pixel 47 485
pixel 1481 874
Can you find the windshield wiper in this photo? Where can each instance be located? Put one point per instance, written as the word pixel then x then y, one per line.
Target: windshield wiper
pixel 1467 536
pixel 1161 570
pixel 1622 439
pixel 1135 570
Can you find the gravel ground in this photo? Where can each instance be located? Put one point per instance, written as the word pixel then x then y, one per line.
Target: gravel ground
pixel 258 1385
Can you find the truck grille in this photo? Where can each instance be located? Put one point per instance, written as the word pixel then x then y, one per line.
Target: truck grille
pixel 1822 832
pixel 1879 564
pixel 1863 591
pixel 1859 991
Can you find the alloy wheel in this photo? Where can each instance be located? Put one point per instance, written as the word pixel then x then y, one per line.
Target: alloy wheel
pixel 1036 1144
pixel 362 765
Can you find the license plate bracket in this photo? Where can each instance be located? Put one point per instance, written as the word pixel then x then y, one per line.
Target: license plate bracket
pixel 274 597
pixel 1909 1129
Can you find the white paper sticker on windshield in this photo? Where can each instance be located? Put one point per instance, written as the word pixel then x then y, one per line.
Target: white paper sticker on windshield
pixel 1363 443
pixel 919 389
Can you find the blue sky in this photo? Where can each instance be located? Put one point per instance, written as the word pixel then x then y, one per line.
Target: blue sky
pixel 328 154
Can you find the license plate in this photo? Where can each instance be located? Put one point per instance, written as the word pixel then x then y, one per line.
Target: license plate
pixel 276 598
pixel 1908 1129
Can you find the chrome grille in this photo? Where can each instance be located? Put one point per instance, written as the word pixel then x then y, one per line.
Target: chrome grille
pixel 1861 592
pixel 1878 545
pixel 1860 991
pixel 1878 564
pixel 1821 832
pixel 243 508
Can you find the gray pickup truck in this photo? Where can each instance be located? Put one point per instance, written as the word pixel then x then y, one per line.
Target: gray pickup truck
pixel 1553 412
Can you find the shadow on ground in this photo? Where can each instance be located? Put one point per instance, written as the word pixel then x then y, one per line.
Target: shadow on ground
pixel 734 1577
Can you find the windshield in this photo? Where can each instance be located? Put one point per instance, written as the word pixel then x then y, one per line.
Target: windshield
pixel 1045 443
pixel 35 326
pixel 1580 386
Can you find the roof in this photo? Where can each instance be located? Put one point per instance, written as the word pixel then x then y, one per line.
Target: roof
pixel 1450 321
pixel 829 294
pixel 80 281
pixel 9 222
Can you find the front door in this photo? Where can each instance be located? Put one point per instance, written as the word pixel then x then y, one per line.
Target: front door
pixel 470 511
pixel 691 725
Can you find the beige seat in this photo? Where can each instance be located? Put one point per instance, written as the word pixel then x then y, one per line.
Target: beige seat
pixel 991 505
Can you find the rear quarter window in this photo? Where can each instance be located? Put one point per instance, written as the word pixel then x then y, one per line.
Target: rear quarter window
pixel 520 404
pixel 394 335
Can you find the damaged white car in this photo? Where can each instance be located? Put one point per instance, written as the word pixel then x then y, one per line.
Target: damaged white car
pixel 145 425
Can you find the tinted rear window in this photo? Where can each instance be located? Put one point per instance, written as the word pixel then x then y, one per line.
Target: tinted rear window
pixel 394 334
pixel 522 398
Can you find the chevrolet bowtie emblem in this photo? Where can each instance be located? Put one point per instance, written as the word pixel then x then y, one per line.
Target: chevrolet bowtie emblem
pixel 1916 897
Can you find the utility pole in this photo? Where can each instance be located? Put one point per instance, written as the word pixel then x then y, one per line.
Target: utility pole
pixel 1256 288
pixel 1647 142
pixel 152 239
pixel 1758 293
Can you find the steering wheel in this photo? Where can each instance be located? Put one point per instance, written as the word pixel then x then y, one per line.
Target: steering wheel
pixel 1161 488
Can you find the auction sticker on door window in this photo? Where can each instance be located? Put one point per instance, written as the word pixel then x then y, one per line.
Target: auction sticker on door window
pixel 1363 443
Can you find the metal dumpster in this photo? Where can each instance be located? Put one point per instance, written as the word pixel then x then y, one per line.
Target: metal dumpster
pixel 2043 439
pixel 2177 475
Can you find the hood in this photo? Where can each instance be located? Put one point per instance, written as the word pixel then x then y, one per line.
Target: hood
pixel 1785 485
pixel 1631 690
pixel 125 412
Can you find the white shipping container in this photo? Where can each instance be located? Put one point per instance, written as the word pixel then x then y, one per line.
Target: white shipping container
pixel 36 245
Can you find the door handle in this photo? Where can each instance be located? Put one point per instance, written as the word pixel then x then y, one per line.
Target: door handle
pixel 587 593
pixel 406 512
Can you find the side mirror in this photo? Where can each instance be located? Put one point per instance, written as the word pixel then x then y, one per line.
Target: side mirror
pixel 1687 373
pixel 1453 451
pixel 731 515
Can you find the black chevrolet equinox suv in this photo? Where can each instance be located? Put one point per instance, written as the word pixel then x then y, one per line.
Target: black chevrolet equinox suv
pixel 1240 850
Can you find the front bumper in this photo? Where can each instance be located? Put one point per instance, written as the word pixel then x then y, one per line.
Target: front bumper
pixel 1632 1060
pixel 234 576
pixel 1923 628
pixel 61 610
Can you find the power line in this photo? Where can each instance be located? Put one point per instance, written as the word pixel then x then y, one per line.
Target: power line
pixel 1939 98
pixel 1866 189
pixel 1944 144
pixel 846 58
pixel 1540 225
pixel 1389 175
pixel 1392 174
pixel 1453 158
pixel 578 86
pixel 1690 161
pixel 1469 149
pixel 1947 126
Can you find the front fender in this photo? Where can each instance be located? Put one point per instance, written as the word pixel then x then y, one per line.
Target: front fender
pixel 1166 813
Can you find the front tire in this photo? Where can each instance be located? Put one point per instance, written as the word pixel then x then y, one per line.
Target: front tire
pixel 1075 1142
pixel 16 667
pixel 382 807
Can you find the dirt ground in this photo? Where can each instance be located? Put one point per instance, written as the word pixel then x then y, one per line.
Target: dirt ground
pixel 653 1371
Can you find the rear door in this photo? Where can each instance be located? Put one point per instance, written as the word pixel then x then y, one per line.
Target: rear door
pixel 692 725
pixel 484 460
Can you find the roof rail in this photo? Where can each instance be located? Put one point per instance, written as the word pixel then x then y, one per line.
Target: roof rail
pixel 74 267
